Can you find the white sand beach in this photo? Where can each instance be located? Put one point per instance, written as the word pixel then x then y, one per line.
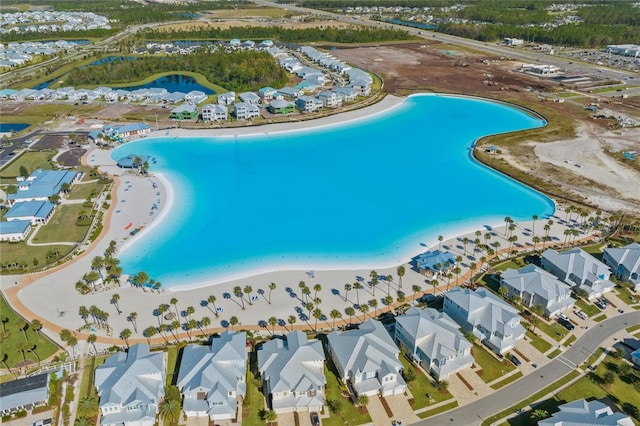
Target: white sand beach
pixel 52 297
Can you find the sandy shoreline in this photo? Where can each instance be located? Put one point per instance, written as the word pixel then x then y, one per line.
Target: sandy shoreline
pixel 53 298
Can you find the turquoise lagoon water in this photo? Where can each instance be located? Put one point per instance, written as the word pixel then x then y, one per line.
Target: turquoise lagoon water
pixel 369 193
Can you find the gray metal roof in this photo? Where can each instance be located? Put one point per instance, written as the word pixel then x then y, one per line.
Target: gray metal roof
pixel 584 413
pixel 25 391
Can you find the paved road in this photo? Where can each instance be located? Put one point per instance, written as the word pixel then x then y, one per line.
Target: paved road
pixel 476 412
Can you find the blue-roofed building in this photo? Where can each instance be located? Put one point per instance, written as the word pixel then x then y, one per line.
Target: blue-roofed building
pixel 129 162
pixel 37 212
pixel 121 132
pixel 16 230
pixel 267 93
pixel 435 262
pixel 42 184
pixel 25 393
pixel 5 93
pixel 635 357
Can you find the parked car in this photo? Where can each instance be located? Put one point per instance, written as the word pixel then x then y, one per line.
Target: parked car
pixel 566 323
pixel 514 359
pixel 582 315
pixel 563 316
pixel 600 305
pixel 315 419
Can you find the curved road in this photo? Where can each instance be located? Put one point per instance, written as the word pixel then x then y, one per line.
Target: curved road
pixel 476 412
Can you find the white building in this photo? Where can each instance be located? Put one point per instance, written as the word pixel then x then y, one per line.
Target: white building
pixel 246 111
pixel 213 112
pixel 625 263
pixel 584 413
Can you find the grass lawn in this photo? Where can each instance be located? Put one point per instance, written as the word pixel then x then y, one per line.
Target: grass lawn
pixel 625 294
pixel 509 264
pixel 446 407
pixel 172 360
pixel 32 160
pixel 62 225
pixel 21 252
pixel 570 340
pixel 490 282
pixel 506 381
pixel 595 250
pixel 600 317
pixel 421 386
pixel 553 330
pixel 554 354
pixel 538 342
pixel 593 357
pixel 38 113
pixel 253 402
pixel 587 308
pixel 633 328
pixel 87 389
pixel 492 368
pixel 348 412
pixel 13 337
pixel 81 192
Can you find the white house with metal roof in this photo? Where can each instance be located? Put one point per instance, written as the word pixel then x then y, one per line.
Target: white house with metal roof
pixel 227 98
pixel 585 413
pixel 367 359
pixel 215 112
pixel 249 98
pixel 213 378
pixel 492 321
pixel 42 184
pixel 24 393
pixel 15 230
pixel 578 268
pixel 433 340
pixel 625 263
pixel 130 387
pixel 292 371
pixel 308 103
pixel 195 97
pixel 329 99
pixel 36 212
pixel 246 111
pixel 535 286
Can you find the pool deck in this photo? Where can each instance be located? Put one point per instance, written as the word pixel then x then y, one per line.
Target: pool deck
pixel 51 297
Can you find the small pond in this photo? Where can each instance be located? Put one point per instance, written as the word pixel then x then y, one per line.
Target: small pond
pixel 13 127
pixel 173 83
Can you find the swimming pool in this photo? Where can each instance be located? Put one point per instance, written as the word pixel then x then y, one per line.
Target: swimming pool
pixel 368 193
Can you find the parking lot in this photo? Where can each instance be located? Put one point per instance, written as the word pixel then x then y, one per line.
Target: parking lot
pixel 599 57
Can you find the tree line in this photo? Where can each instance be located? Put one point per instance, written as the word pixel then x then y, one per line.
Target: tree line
pixel 238 70
pixel 329 34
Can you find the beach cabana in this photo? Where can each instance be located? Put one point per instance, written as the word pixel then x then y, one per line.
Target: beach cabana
pixel 435 262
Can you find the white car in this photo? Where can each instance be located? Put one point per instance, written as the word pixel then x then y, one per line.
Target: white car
pixel 582 315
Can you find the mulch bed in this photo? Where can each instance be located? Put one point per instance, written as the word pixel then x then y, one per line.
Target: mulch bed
pixel 464 381
pixel 386 407
pixel 71 158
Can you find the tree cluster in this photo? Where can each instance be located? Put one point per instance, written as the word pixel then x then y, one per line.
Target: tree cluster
pixel 238 70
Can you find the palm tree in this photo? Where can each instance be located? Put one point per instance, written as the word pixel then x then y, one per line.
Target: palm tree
pixel 364 308
pixel 533 226
pixel 357 286
pixel 503 291
pixel 87 406
pixel 133 316
pixel 233 321
pixel 248 290
pixel 351 312
pixel 72 342
pixel 212 301
pixel 434 283
pixel 22 347
pixel 175 326
pixel 124 335
pixel 374 304
pixel 389 280
pixel 272 287
pixel 374 281
pixel 269 416
pixel 97 263
pixel 114 301
pixel 387 300
pixel 3 358
pixel 456 271
pixel 91 278
pixel 190 311
pixel 507 221
pixel 36 326
pixel 347 289
pixel 205 322
pixel 302 286
pixel 465 241
pixel 512 239
pixel 440 238
pixel 317 314
pixel 170 410
pixel 362 400
pixel 539 414
pixel 291 320
pixel 174 302
pixel 237 292
pixel 149 332
pixel 316 288
pixel 162 308
pixel 272 321
pixel 32 348
pixel 416 289
pixel 334 314
pixel 535 240
pixel 4 320
pixel 400 271
pixel 162 329
pixel 92 339
pixel 191 325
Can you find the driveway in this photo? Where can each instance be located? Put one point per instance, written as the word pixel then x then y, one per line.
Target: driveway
pixel 401 409
pixel 286 419
pixel 377 412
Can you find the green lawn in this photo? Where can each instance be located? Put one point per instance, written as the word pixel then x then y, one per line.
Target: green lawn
pixel 21 252
pixel 349 413
pixel 633 328
pixel 538 342
pixel 446 407
pixel 587 308
pixel 82 191
pixel 600 317
pixel 62 225
pixel 553 330
pixel 172 360
pixel 421 386
pixel 13 338
pixel 593 357
pixel 253 402
pixel 554 354
pixel 87 389
pixel 505 382
pixel 625 294
pixel 570 340
pixel 492 368
pixel 32 160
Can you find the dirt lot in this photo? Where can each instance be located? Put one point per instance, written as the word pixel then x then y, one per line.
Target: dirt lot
pixel 597 179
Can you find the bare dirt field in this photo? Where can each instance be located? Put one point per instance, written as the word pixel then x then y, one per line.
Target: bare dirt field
pixel 582 168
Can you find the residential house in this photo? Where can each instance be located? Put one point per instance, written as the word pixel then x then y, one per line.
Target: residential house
pixel 184 112
pixel 195 97
pixel 212 378
pixel 578 268
pixel 227 98
pixel 490 319
pixel 537 287
pixel 308 103
pixel 213 112
pixel 42 184
pixel 130 387
pixel 330 99
pixel 289 92
pixel 267 94
pixel 435 262
pixel 347 94
pixel 174 97
pixel 36 212
pixel 585 413
pixel 15 230
pixel 249 98
pixel 625 263
pixel 292 372
pixel 367 360
pixel 246 111
pixel 635 357
pixel 281 107
pixel 432 339
pixel 24 393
